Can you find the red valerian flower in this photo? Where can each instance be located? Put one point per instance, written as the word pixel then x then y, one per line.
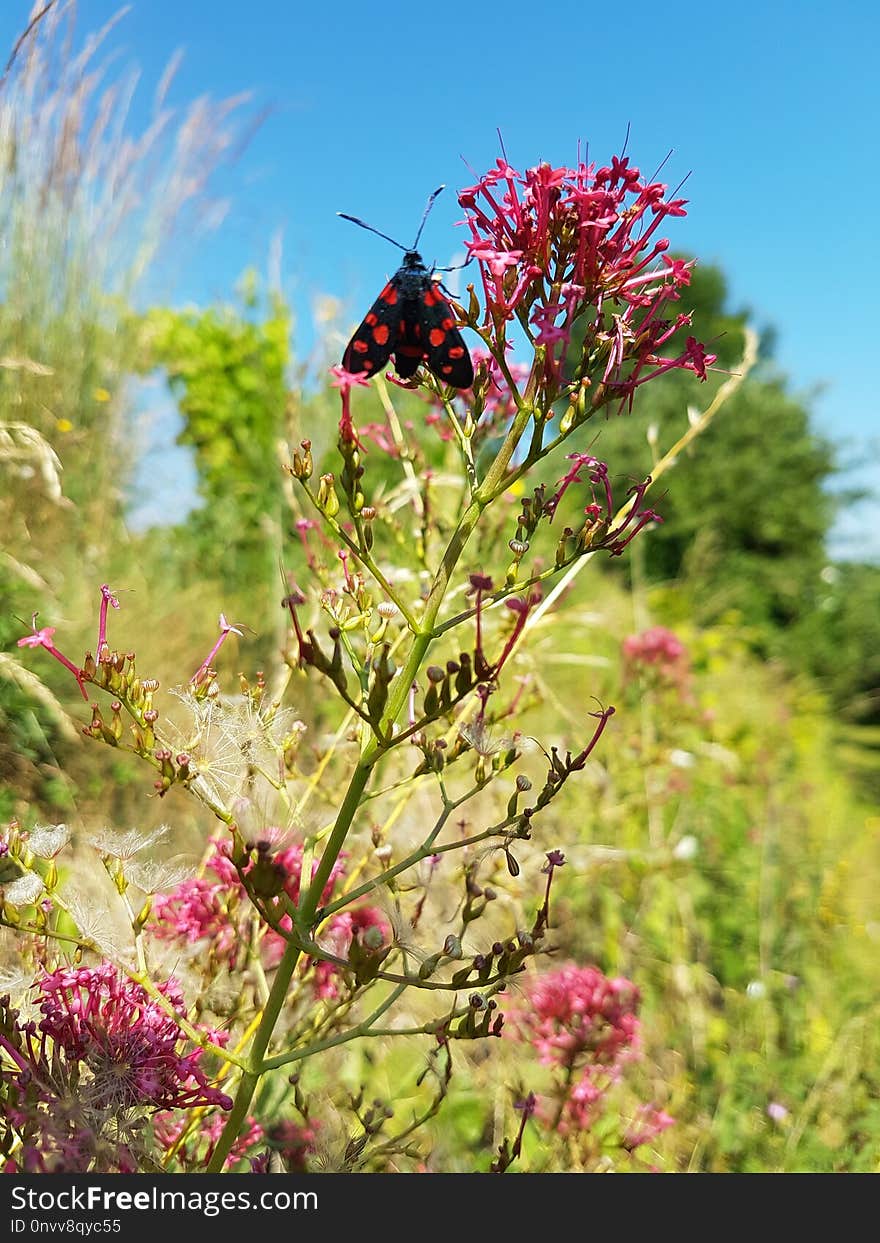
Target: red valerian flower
pixel 581 243
pixel 648 1123
pixel 585 1025
pixel 123 1049
pixel 226 629
pixel 577 1014
pixel 194 1145
pixel 659 652
pixel 345 381
pixel 44 638
pixel 107 599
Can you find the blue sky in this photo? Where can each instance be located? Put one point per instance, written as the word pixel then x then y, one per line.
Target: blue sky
pixel 772 108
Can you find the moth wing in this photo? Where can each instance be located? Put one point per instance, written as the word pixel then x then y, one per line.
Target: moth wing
pixel 373 343
pixel 444 349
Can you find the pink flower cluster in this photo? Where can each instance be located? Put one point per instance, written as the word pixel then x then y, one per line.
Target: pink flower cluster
pixel 577 1013
pixel 78 1082
pixel 584 1099
pixel 108 1024
pixel 194 1145
pixel 208 909
pixel 292 1141
pixel 658 651
pixel 586 1026
pixel 202 908
pixel 565 246
pixel 648 1123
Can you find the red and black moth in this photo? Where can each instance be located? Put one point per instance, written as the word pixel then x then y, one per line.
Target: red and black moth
pixel 411 320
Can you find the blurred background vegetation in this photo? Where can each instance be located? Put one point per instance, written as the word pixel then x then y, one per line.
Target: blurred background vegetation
pixel 723 847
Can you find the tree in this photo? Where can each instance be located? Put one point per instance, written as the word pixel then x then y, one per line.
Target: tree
pixel 746 522
pixel 227 367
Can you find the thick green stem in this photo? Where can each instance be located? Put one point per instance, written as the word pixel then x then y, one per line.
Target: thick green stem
pixel 308 906
pixel 251 1077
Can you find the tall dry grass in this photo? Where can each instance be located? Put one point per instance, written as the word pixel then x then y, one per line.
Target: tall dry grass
pixel 91 200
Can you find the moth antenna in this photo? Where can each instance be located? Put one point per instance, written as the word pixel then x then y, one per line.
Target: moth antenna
pixel 456 267
pixel 370 229
pixel 428 207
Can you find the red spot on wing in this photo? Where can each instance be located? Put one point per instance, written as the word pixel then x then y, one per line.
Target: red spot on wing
pixel 447 370
pixel 456 351
pixel 360 347
pixel 437 336
pixel 432 297
pixel 380 334
pixel 372 318
pixel 447 323
pixel 389 294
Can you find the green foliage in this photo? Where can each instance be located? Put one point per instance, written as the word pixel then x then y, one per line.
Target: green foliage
pixel 747 518
pixel 722 860
pixel 227 367
pixel 32 727
pixel 839 640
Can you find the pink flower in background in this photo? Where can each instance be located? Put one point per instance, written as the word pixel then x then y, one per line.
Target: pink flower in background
pixel 197 909
pixel 207 908
pixel 170 1129
pixel 659 652
pixel 290 860
pixel 584 1100
pixel 203 909
pixel 499 403
pixel 337 939
pixel 648 1123
pixel 294 1142
pixel 579 1013
pixel 585 1026
pixel 777 1112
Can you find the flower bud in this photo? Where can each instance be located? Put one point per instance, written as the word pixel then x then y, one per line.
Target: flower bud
pixel 429 966
pixel 302 462
pixel 452 946
pixel 328 501
pixel 473 312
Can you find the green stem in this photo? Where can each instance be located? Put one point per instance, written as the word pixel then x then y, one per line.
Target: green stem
pixel 251 1077
pixel 365 557
pixel 356 786
pixel 372 751
pixel 424 851
pixel 319 1046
